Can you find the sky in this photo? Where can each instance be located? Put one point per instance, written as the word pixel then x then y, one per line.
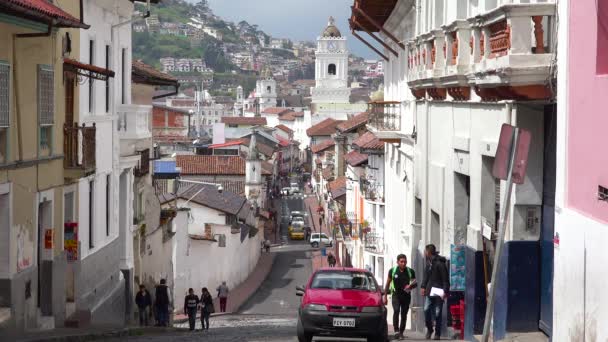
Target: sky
pixel 293 19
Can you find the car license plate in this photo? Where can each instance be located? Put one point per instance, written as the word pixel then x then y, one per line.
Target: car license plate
pixel 344 322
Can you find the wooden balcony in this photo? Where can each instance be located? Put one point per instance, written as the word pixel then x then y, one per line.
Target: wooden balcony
pixel 79 150
pixel 144 163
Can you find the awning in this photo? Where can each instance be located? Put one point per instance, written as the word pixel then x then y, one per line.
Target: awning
pixel 86 70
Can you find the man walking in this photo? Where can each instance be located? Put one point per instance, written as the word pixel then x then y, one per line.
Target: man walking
pixel 222 293
pixel 400 282
pixel 143 302
pixel 162 301
pixel 435 287
pixel 190 307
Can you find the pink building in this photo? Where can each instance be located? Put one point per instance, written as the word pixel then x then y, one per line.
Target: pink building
pixel 581 220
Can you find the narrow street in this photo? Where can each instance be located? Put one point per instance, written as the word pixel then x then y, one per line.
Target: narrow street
pixel 271 313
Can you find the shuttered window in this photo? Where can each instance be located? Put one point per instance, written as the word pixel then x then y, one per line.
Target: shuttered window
pixel 46 95
pixel 5 70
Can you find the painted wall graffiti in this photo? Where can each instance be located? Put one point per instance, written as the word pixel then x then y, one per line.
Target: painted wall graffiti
pixel 25 248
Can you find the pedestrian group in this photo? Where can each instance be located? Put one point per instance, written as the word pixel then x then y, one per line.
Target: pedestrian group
pixel 434 287
pixel 159 308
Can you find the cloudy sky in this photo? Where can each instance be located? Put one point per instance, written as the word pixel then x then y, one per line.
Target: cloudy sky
pixel 294 19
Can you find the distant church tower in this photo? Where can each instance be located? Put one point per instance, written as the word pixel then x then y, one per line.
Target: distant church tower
pixel 331 67
pixel 266 90
pixel 240 102
pixel 253 173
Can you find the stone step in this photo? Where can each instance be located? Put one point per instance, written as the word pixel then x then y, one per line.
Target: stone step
pixel 79 319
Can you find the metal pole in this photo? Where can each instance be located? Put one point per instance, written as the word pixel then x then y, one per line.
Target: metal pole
pixel 502 223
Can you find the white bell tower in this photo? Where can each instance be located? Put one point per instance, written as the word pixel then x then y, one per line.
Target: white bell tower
pixel 331 67
pixel 266 90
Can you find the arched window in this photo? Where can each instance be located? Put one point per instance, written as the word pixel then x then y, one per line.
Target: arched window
pixel 331 69
pixel 268 89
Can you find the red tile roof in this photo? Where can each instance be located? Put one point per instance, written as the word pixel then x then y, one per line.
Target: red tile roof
pixel 284 128
pixel 211 165
pixel 353 123
pixel 143 73
pixel 322 146
pixel 78 65
pixel 227 144
pixel 327 172
pixel 282 141
pixel 244 120
pixel 287 117
pixel 354 158
pixel 40 11
pixel 325 127
pixel 298 114
pixel 276 111
pixel 337 188
pixel 369 141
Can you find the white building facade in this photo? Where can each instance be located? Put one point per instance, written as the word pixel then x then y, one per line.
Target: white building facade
pixel 441 117
pixel 104 268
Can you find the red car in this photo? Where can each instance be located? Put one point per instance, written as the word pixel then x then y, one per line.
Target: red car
pixel 342 302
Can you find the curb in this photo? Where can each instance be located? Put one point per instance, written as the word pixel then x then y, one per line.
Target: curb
pixel 88 336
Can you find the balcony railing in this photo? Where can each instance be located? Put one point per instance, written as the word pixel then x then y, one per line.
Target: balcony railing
pixel 79 150
pixel 134 121
pixel 373 191
pixel 385 115
pixel 144 163
pixel 374 242
pixel 508 45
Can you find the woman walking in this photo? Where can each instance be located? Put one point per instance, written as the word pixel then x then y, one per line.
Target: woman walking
pixel 206 308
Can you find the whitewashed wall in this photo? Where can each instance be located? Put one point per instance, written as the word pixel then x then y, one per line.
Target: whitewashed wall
pixel 203 263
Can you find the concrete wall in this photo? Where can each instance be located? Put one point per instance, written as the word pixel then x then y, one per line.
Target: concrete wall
pixel 580 220
pixel 26 183
pixel 205 264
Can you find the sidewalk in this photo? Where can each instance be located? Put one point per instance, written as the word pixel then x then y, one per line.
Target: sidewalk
pixel 84 334
pixel 239 295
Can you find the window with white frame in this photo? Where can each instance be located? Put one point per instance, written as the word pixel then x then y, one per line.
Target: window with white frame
pixel 5 74
pixel 46 108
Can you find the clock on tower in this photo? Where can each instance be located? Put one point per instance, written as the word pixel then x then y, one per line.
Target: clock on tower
pixel 331 46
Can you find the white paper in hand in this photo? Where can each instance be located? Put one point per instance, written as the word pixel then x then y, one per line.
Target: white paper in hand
pixel 436 292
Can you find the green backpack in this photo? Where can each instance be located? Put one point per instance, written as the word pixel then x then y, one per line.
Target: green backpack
pixel 393 270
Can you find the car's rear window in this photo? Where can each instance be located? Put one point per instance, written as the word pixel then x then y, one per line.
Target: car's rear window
pixel 344 280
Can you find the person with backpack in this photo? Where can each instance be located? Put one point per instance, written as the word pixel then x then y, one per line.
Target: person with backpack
pixel 143 300
pixel 435 286
pixel 190 307
pixel 162 301
pixel 400 282
pixel 207 308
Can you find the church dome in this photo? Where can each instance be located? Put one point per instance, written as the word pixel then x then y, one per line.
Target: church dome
pixel 331 30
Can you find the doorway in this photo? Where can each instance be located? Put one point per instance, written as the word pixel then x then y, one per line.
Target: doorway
pixel 44 256
pixel 545 323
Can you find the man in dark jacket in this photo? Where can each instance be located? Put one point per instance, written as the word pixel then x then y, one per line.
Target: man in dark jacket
pixel 143 302
pixel 190 307
pixel 162 300
pixel 435 287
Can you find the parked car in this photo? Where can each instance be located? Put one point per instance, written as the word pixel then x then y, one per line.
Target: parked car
pixel 317 238
pixel 297 231
pixel 285 191
pixel 295 214
pixel 342 303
